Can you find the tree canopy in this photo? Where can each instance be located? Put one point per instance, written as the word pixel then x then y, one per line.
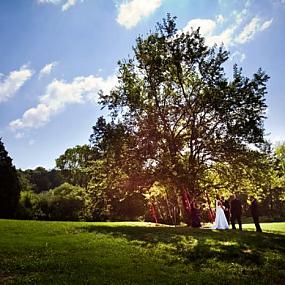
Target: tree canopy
pixel 74 163
pixel 181 111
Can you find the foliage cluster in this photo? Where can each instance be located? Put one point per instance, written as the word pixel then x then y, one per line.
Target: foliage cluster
pixel 63 203
pixel 40 179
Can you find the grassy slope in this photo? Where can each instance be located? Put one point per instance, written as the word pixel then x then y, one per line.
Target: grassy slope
pixel 34 252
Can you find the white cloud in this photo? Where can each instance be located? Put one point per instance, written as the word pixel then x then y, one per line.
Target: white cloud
pixel 220 19
pixel 64 7
pixel 237 55
pixel 46 70
pixel 229 35
pixel 10 84
pixel 131 12
pixel 55 2
pixel 278 2
pixel 266 24
pixel 19 135
pixel 68 4
pixel 209 26
pixel 206 26
pixel 249 31
pixel 58 94
pixel 225 37
pixel 239 16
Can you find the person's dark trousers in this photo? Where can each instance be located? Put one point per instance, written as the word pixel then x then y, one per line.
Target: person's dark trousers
pixel 239 222
pixel 238 218
pixel 233 222
pixel 227 214
pixel 257 225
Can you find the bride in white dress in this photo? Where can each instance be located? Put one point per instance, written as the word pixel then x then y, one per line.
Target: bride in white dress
pixel 221 222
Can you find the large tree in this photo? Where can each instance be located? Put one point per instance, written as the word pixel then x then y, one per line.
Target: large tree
pixel 9 185
pixel 181 110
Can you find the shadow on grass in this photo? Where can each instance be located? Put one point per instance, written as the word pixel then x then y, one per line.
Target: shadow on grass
pixel 199 246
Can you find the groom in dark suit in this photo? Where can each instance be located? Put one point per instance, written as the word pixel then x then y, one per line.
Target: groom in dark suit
pixel 255 213
pixel 236 210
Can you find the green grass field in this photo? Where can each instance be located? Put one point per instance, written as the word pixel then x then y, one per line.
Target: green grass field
pixel 34 252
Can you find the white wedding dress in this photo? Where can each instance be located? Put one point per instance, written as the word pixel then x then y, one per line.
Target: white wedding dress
pixel 221 222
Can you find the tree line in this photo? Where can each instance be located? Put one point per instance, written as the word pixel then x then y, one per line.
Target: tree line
pixel 178 131
pixel 73 192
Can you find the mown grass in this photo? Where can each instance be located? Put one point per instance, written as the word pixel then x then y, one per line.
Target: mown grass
pixel 33 252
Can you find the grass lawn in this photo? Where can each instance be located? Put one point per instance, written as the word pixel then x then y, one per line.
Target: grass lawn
pixel 34 252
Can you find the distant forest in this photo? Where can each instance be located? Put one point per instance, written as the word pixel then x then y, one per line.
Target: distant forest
pixel 73 191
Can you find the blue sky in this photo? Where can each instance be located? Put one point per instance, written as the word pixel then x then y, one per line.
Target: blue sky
pixel 56 54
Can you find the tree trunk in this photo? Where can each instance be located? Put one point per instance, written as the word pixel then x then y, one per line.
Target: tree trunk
pixel 212 219
pixel 187 206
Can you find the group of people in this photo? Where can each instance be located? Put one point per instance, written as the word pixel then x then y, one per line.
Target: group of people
pixel 230 212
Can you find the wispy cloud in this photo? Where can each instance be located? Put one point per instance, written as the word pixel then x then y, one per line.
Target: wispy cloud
pixel 278 2
pixel 46 70
pixel 68 4
pixel 239 31
pixel 58 95
pixel 266 24
pixel 220 19
pixel 19 135
pixel 237 56
pixel 208 28
pixel 249 31
pixel 10 84
pixel 133 11
pixel 55 2
pixel 65 5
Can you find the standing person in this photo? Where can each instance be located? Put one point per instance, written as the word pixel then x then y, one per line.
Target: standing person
pixel 227 208
pixel 255 213
pixel 195 216
pixel 220 220
pixel 236 210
